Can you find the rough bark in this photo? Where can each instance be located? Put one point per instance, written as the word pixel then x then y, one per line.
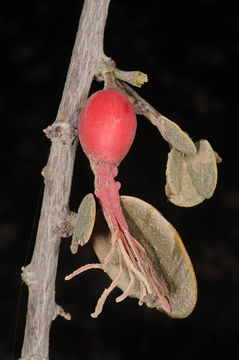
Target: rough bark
pixel 55 218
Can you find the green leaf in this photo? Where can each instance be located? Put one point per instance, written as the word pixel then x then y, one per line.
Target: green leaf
pixel 85 220
pixel 175 136
pixel 203 169
pixel 179 187
pixel 191 178
pixel 163 247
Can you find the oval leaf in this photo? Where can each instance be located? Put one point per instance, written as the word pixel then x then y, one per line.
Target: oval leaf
pixel 179 187
pixel 85 220
pixel 203 169
pixel 190 179
pixel 175 136
pixel 163 247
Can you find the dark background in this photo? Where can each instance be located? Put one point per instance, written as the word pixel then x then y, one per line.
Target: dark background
pixel 190 51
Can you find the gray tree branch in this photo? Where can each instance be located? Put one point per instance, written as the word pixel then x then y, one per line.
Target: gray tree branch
pixel 55 218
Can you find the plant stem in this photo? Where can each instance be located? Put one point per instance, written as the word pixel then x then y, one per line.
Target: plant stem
pixel 55 216
pixel 135 78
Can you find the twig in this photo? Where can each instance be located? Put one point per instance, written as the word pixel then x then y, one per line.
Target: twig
pixel 170 131
pixel 55 218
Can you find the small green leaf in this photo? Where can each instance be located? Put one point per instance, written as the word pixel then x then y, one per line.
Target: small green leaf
pixel 191 178
pixel 179 187
pixel 163 247
pixel 85 220
pixel 203 169
pixel 175 136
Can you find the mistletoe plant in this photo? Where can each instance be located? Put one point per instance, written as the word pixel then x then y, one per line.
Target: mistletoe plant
pixel 137 247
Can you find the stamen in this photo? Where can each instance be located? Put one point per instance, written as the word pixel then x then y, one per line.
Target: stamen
pixel 133 268
pixel 143 294
pixel 106 292
pixel 82 269
pixel 128 290
pixel 111 253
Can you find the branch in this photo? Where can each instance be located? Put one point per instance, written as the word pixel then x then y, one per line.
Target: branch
pixel 170 131
pixel 55 216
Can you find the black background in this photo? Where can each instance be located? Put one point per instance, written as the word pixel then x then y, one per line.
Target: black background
pixel 190 51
